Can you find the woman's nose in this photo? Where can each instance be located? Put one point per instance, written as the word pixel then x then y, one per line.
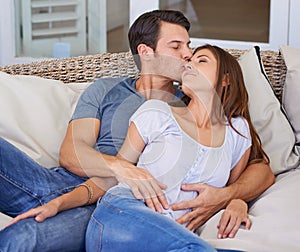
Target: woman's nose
pixel 188 66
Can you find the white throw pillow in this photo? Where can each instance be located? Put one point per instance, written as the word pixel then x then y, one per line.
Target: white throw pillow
pixel 34 114
pixel 291 91
pixel 271 124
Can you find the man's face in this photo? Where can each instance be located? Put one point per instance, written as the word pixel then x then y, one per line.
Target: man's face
pixel 172 50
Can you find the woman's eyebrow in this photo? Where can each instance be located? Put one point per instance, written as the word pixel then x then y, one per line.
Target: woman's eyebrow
pixel 201 55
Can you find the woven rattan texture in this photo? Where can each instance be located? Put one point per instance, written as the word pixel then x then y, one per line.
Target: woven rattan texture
pixel 91 67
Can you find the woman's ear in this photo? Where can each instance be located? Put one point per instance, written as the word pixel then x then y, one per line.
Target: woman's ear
pixel 226 80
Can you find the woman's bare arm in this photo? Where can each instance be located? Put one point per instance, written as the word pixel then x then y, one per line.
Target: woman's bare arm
pixel 86 193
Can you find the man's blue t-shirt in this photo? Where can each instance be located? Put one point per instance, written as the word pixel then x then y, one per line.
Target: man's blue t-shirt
pixel 112 101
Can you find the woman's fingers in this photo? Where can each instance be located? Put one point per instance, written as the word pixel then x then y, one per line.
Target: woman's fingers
pixel 247 223
pixel 225 218
pixel 232 227
pixel 234 215
pixel 159 196
pixel 40 213
pixel 228 226
pixel 152 194
pixel 42 216
pixel 29 214
pixel 144 186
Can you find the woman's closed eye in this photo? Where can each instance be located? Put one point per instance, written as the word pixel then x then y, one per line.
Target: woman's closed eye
pixel 202 60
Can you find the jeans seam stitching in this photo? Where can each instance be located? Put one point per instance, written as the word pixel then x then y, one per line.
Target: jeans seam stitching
pixel 19 186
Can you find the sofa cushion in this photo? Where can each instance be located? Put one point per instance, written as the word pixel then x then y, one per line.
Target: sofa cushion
pixel 291 90
pixel 274 217
pixel 34 114
pixel 266 113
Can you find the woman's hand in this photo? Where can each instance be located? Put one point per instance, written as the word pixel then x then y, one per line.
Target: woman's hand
pixel 235 214
pixel 40 213
pixel 142 184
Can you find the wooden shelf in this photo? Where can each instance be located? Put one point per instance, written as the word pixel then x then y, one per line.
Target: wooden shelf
pixel 54 31
pixel 52 3
pixel 52 17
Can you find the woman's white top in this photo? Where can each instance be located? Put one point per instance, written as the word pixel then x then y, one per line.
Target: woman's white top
pixel 174 158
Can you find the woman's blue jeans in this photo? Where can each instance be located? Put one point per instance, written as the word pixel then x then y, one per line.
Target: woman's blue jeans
pixel 123 223
pixel 25 184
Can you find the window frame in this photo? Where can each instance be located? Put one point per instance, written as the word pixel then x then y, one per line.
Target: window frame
pixel 8 32
pixel 283 30
pixel 279 27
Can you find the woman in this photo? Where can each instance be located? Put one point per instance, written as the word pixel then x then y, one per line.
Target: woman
pixel 208 141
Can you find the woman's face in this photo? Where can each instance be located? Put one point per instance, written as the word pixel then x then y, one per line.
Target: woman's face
pixel 200 73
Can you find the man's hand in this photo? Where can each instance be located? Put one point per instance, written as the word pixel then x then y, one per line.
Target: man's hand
pixel 234 215
pixel 142 184
pixel 209 201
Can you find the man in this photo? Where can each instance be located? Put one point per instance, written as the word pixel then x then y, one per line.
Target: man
pixel 95 135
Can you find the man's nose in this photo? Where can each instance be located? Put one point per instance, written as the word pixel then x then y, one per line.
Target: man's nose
pixel 187 54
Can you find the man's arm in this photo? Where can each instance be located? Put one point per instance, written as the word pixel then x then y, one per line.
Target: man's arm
pixel 77 153
pixel 254 180
pixel 78 156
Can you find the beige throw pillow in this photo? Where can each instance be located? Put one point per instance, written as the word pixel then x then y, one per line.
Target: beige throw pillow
pixel 271 124
pixel 291 91
pixel 34 114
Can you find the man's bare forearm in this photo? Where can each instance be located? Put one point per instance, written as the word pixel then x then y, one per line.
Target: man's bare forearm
pixel 87 162
pixel 252 182
pixel 77 153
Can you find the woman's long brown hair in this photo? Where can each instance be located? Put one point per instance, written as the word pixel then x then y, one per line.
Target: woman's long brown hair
pixel 234 96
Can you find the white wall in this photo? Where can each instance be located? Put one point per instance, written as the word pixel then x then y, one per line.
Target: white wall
pixel 6 31
pixel 294 34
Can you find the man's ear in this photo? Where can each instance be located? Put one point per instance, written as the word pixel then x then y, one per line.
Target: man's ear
pixel 226 80
pixel 143 49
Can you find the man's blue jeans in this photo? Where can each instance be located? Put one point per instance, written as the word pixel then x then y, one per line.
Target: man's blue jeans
pixel 24 184
pixel 123 223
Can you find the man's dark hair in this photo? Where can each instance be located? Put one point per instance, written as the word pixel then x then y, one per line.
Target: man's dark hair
pixel 146 27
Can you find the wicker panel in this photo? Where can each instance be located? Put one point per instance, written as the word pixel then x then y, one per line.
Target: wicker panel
pixel 276 70
pixel 90 68
pixel 274 67
pixel 79 69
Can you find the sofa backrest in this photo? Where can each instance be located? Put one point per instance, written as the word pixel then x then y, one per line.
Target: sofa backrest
pixel 91 67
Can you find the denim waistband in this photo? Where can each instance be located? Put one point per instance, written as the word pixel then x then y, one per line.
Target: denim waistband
pixel 120 192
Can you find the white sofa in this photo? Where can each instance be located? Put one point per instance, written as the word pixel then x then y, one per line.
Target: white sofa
pixel 37 100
